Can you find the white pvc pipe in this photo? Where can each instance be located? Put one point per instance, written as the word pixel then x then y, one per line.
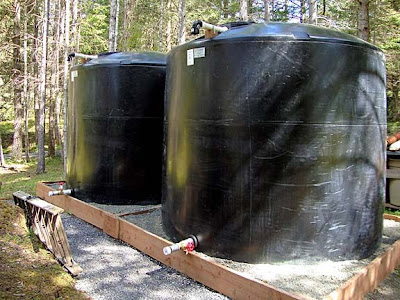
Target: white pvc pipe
pixel 214 28
pixel 169 249
pixel 85 56
pixel 175 247
pixel 60 192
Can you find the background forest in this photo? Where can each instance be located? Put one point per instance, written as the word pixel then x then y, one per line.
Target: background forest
pixel 37 36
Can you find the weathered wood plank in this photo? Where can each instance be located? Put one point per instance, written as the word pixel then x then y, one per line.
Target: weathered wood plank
pixel 391 217
pixel 224 280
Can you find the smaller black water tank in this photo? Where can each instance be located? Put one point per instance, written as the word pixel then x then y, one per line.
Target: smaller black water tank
pixel 115 128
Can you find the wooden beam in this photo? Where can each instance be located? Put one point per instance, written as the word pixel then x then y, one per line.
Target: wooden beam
pixel 369 277
pixel 391 217
pixel 222 279
pixel 393 173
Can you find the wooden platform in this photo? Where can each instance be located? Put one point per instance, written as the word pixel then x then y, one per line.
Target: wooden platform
pixel 220 278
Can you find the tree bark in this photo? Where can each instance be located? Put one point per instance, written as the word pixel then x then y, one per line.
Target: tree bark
pixel 26 96
pixel 169 26
pixel 124 35
pixel 75 28
pixel 59 38
pixel 181 22
pixel 35 62
pixel 267 12
pixel 113 28
pixel 363 19
pixel 225 4
pixel 51 147
pixel 2 161
pixel 301 11
pixel 18 108
pixel 53 125
pixel 161 27
pixel 243 10
pixel 312 11
pixel 42 101
pixel 65 106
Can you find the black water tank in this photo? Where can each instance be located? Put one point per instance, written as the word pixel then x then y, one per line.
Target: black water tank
pixel 115 125
pixel 275 146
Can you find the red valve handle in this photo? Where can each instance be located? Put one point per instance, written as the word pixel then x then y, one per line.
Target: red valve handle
pixel 190 247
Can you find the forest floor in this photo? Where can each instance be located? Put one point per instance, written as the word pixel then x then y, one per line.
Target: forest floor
pixel 29 271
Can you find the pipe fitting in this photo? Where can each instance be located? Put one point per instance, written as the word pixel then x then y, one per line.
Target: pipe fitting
pixel 76 54
pixel 201 24
pixel 61 190
pixel 187 245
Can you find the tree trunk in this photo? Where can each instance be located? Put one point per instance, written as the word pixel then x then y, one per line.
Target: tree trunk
pixel 363 19
pixel 225 4
pixel 65 106
pixel 161 27
pixel 169 26
pixel 59 38
pixel 26 96
pixel 267 12
pixel 2 162
pixel 42 101
pixel 312 11
pixel 113 28
pixel 181 22
pixel 124 35
pixel 18 108
pixel 51 147
pixel 301 11
pixel 75 28
pixel 53 126
pixel 35 62
pixel 243 10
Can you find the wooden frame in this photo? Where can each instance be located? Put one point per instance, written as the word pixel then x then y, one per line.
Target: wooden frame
pixel 220 278
pixel 44 218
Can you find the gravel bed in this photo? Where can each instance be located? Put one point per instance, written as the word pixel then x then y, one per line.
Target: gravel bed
pixel 316 279
pixel 313 279
pixel 115 270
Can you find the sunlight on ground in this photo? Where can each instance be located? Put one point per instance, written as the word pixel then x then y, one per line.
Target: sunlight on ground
pixel 14 168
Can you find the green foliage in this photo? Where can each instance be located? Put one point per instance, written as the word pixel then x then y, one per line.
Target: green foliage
pixel 391 211
pixel 393 127
pixel 385 33
pixel 94 26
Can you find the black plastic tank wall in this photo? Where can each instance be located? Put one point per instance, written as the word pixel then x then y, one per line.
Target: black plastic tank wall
pixel 115 128
pixel 275 146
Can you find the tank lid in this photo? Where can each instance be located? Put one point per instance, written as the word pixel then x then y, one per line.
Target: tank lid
pixel 288 31
pixel 130 58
